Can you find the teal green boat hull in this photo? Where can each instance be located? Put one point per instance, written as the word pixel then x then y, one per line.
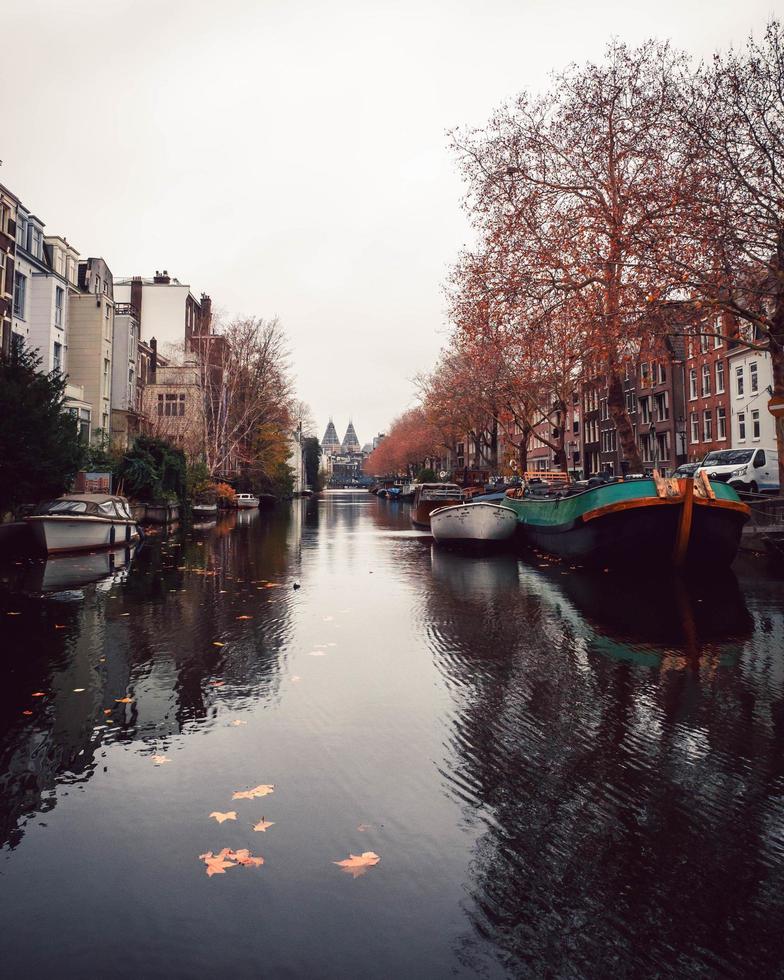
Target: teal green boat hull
pixel 629 523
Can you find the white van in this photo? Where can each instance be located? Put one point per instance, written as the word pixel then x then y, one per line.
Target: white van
pixel 751 470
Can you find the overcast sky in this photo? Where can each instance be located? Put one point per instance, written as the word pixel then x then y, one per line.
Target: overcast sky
pixel 290 158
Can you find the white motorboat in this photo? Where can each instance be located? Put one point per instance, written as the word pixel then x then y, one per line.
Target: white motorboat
pixel 246 500
pixel 83 522
pixel 204 509
pixel 479 522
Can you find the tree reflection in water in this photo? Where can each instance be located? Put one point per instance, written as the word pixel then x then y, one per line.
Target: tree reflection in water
pixel 95 628
pixel 615 742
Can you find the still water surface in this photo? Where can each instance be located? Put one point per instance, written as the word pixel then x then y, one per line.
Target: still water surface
pixel 564 774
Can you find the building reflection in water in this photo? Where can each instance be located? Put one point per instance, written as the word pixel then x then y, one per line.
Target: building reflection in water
pixel 93 629
pixel 619 749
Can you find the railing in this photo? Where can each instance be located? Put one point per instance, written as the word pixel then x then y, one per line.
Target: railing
pixel 126 309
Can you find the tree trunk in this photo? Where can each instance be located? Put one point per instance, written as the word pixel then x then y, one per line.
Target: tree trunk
pixel 777 366
pixel 616 403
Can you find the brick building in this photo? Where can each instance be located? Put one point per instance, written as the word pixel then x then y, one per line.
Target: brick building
pixel 707 394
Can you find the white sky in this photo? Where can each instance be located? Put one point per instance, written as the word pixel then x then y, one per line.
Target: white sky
pixel 290 158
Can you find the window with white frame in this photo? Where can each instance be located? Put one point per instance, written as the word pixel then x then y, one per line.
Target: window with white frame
pixel 741 426
pixel 106 369
pixel 57 357
pixel 695 427
pixel 693 384
pixel 707 425
pixel 20 295
pixel 721 423
pixel 706 380
pixel 739 380
pixel 753 377
pixel 59 302
pixel 645 410
pixel 662 406
pixel 719 377
pixel 662 373
pixel 704 342
pixel 755 424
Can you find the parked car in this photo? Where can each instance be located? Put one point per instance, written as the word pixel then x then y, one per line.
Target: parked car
pixel 747 470
pixel 686 469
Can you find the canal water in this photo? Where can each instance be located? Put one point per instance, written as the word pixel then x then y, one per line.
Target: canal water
pixel 562 774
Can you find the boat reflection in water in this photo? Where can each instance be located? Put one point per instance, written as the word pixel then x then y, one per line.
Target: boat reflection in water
pixel 615 614
pixel 63 573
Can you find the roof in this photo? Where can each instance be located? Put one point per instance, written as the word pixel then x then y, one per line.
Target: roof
pixel 91 498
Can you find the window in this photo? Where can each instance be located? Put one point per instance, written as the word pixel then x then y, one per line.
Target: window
pixel 741 426
pixel 105 424
pixel 662 374
pixel 695 427
pixel 59 297
pixel 704 342
pixel 662 407
pixel 644 373
pixel 739 380
pixel 721 423
pixel 57 357
pixel 172 405
pixel 719 377
pixel 692 384
pixel 645 411
pixel 755 424
pixel 631 402
pixel 82 416
pixel 36 241
pixel 20 291
pixel 706 380
pixel 97 284
pixel 707 425
pixel 106 369
pixel 753 377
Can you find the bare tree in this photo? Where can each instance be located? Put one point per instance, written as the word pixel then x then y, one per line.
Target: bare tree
pixel 244 371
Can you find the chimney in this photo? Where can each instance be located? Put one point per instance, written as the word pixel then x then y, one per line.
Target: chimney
pixel 153 356
pixel 206 314
pixel 162 278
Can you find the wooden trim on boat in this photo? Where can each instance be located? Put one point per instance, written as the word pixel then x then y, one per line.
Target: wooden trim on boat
pixel 684 524
pixel 736 505
pixel 622 505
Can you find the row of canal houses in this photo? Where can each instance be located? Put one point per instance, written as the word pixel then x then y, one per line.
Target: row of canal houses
pixel 109 336
pixel 707 391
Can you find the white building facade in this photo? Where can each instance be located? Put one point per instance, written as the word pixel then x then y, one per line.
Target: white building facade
pixel 751 381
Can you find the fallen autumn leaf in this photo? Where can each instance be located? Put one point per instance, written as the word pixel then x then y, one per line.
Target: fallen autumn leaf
pixel 357 864
pixel 222 817
pixel 252 794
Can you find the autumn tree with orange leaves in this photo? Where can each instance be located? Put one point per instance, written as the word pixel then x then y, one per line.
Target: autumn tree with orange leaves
pixel 578 188
pixel 411 443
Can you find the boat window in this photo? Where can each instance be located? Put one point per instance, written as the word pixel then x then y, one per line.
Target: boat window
pixel 108 509
pixel 728 457
pixel 122 508
pixel 67 507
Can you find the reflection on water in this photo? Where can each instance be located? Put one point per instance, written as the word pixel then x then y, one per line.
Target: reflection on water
pixel 564 774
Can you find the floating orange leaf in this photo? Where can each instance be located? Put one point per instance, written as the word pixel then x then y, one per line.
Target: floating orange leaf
pixel 264 825
pixel 107 711
pixel 364 826
pixel 13 614
pixel 160 760
pixel 38 694
pixel 222 817
pixel 217 683
pixel 238 721
pixel 296 679
pixel 317 653
pixel 27 712
pixel 243 856
pixel 78 690
pixel 58 626
pixel 215 643
pixel 124 700
pixel 244 617
pixel 357 864
pixel 252 794
pixel 217 863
